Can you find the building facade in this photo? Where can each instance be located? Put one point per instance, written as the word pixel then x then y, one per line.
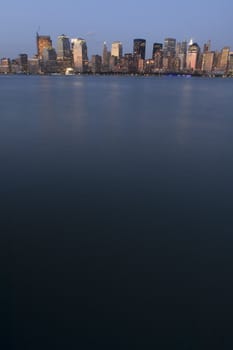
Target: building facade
pixel 223 59
pixel 116 49
pixel 169 47
pixel 192 57
pixel 96 64
pixel 105 58
pixel 63 47
pixel 80 58
pixel 230 63
pixel 23 62
pixel 43 42
pixel 207 61
pixel 139 48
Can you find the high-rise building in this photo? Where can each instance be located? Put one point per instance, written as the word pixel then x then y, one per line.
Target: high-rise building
pixel 43 42
pixel 129 63
pixel 34 66
pixel 157 55
pixel 80 59
pixel 139 48
pixel 230 63
pixel 157 49
pixel 23 62
pixel 49 60
pixel 181 47
pixel 116 50
pixel 207 61
pixel 5 65
pixel 49 54
pixel 181 52
pixel 96 62
pixel 169 47
pixel 105 58
pixel 223 59
pixel 192 56
pixel 63 47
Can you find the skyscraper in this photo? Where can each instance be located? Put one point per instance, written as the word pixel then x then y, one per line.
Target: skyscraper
pixel 139 48
pixel 49 54
pixel 23 62
pixel 224 56
pixel 207 61
pixel 181 47
pixel 169 47
pixel 157 49
pixel 42 42
pixel 49 60
pixel 63 47
pixel 105 58
pixel 157 55
pixel 192 56
pixel 80 59
pixel 181 52
pixel 116 49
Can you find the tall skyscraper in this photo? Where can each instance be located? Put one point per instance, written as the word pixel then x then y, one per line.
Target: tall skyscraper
pixel 63 47
pixel 105 58
pixel 207 61
pixel 181 47
pixel 192 56
pixel 139 48
pixel 116 50
pixel 181 51
pixel 223 61
pixel 42 42
pixel 157 55
pixel 157 49
pixel 80 59
pixel 169 47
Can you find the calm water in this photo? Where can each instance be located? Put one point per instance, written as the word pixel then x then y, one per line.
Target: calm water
pixel 116 220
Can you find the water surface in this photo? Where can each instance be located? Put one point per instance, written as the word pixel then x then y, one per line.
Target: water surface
pixel 117 202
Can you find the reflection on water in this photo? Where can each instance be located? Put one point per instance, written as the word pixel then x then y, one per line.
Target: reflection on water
pixel 117 201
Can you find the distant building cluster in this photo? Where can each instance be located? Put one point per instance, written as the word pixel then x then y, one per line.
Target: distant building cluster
pixel 71 57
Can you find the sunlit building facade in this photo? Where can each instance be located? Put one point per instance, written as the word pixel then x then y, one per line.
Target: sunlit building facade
pixel 207 61
pixel 80 58
pixel 116 49
pixel 192 56
pixel 43 42
pixel 223 59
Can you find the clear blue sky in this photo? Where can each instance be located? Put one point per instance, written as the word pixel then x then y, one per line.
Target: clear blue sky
pixel 106 20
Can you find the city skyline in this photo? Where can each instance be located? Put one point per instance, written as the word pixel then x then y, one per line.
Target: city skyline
pixel 71 57
pixel 100 21
pixel 148 47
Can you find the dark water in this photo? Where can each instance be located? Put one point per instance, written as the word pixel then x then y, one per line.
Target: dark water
pixel 116 212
